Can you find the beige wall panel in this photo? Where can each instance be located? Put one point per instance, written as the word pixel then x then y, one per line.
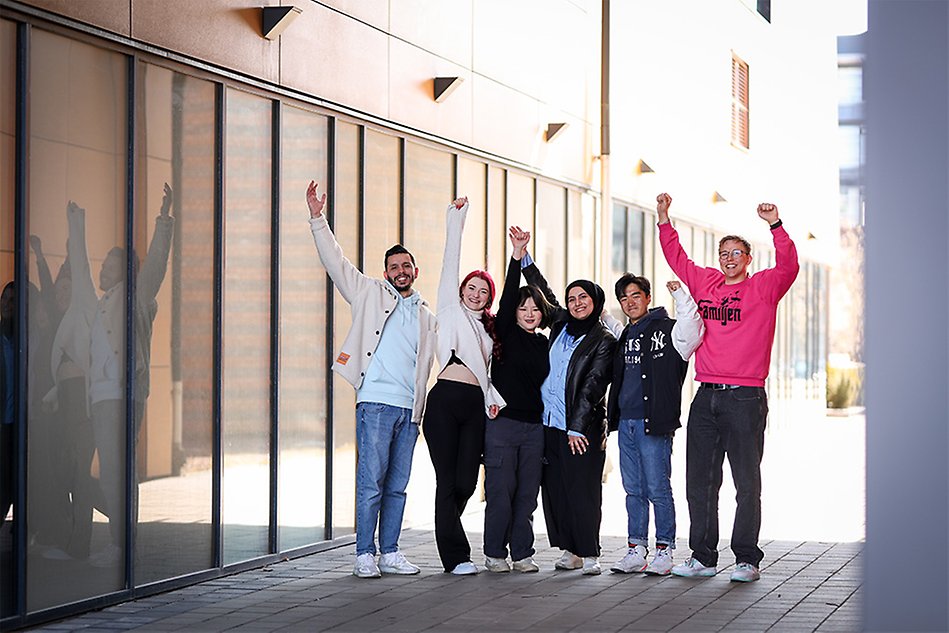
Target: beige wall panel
pixel 536 47
pixel 320 56
pixel 158 427
pixel 224 32
pixel 411 79
pixel 373 12
pixel 48 196
pixel 49 111
pixel 108 14
pixel 444 28
pixel 7 76
pixel 505 121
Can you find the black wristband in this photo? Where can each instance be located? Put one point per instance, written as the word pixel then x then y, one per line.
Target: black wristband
pixel 776 224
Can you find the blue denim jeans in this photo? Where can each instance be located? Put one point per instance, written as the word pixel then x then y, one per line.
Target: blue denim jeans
pixel 729 422
pixel 385 437
pixel 645 462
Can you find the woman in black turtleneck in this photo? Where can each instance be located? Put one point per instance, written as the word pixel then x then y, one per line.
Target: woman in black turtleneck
pixel 574 394
pixel 514 441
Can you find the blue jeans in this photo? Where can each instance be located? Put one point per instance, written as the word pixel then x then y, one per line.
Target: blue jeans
pixel 385 437
pixel 645 462
pixel 729 422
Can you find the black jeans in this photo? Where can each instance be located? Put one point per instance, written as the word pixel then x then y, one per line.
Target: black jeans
pixel 454 431
pixel 513 462
pixel 727 422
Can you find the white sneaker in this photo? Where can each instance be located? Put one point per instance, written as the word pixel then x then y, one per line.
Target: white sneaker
pixel 634 561
pixel 661 564
pixel 395 563
pixel 568 560
pixel 745 572
pixel 692 569
pixel 466 568
pixel 497 565
pixel 366 566
pixel 110 556
pixel 526 565
pixel 591 566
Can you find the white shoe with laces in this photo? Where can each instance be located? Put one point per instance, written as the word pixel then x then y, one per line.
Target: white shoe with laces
pixel 661 564
pixel 466 568
pixel 745 572
pixel 591 566
pixel 396 563
pixel 693 569
pixel 568 560
pixel 496 565
pixel 526 566
pixel 634 561
pixel 366 566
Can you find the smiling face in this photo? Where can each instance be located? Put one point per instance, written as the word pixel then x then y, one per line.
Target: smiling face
pixel 579 303
pixel 401 272
pixel 634 302
pixel 476 294
pixel 529 316
pixel 733 258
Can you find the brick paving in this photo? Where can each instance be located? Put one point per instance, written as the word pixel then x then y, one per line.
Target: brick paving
pixel 804 586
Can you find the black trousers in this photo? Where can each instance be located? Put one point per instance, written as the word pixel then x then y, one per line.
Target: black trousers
pixel 454 431
pixel 572 493
pixel 729 422
pixel 513 464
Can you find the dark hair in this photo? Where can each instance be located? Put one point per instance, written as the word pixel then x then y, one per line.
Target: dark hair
pixel 533 292
pixel 629 278
pixel 398 249
pixel 735 238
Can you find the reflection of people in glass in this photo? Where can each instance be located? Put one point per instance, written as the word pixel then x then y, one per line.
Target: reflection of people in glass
pixel 387 356
pixel 7 397
pixel 69 362
pixel 107 365
pixel 457 404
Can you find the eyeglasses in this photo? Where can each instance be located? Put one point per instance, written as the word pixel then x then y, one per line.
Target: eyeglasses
pixel 735 254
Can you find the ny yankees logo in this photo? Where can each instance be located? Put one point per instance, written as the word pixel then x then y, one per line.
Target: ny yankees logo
pixel 658 341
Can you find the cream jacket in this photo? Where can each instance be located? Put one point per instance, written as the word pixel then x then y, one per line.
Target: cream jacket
pixel 372 301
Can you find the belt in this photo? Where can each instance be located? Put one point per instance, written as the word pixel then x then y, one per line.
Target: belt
pixel 717 386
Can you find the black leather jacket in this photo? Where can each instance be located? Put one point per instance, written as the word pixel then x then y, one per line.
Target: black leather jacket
pixel 589 372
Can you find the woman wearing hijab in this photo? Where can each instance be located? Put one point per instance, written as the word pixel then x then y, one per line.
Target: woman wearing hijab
pixel 574 395
pixel 455 411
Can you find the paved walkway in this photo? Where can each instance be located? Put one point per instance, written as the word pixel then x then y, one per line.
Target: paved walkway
pixel 805 586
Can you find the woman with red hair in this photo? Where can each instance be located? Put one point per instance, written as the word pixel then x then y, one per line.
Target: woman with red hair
pixel 455 412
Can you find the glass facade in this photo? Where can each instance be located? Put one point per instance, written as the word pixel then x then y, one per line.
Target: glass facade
pixel 180 414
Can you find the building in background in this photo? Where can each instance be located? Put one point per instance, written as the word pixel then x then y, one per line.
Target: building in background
pixel 246 450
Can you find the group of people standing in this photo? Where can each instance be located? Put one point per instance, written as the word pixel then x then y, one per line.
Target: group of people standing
pixel 535 410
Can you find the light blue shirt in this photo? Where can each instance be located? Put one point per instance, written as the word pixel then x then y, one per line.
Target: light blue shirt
pixel 390 377
pixel 553 391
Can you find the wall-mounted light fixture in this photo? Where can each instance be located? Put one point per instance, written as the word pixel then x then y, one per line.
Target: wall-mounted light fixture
pixel 553 130
pixel 717 197
pixel 811 236
pixel 642 167
pixel 273 20
pixel 444 86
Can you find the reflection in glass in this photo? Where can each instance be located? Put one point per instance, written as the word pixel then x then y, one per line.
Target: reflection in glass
pixel 301 500
pixel 346 226
pixel 245 415
pixel 76 439
pixel 497 242
pixel 520 211
pixel 174 535
pixel 580 236
pixel 471 183
pixel 381 229
pixel 7 463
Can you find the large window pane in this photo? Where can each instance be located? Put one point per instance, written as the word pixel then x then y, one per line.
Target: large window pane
pixel 498 249
pixel 7 130
pixel 301 496
pixel 471 183
pixel 520 212
pixel 346 228
pixel 76 435
pixel 381 229
pixel 550 237
pixel 245 486
pixel 174 535
pixel 428 190
pixel 581 227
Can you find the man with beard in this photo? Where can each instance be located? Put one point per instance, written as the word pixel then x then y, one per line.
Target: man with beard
pixel 387 357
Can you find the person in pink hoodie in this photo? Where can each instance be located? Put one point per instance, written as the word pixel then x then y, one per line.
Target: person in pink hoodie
pixel 730 409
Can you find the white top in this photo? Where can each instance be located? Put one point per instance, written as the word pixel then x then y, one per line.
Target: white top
pixel 459 328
